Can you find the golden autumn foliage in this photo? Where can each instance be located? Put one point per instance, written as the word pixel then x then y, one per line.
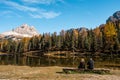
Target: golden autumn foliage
pixel 75 32
pixel 25 41
pixel 110 30
pixel 110 34
pixel 97 32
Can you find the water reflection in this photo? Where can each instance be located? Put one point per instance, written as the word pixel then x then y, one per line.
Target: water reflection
pixel 60 58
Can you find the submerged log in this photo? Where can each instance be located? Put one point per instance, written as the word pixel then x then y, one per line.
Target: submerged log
pixel 75 70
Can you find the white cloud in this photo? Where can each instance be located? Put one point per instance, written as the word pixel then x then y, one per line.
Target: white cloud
pixel 39 1
pixel 9 14
pixel 6 12
pixel 47 15
pixel 43 1
pixel 32 11
pixel 18 6
pixel 35 15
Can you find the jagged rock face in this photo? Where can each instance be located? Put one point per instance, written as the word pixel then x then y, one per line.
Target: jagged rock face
pixel 20 32
pixel 26 29
pixel 115 17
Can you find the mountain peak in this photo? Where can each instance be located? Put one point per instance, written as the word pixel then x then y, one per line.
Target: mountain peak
pixel 114 17
pixel 26 29
pixel 22 31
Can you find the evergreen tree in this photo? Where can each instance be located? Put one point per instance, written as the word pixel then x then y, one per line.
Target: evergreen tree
pixel 95 45
pixel 117 45
pixel 86 44
pixel 59 42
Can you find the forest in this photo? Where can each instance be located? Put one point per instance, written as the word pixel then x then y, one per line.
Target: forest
pixel 102 39
pixel 106 37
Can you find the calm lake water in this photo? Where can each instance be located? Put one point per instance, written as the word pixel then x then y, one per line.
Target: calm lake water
pixel 62 59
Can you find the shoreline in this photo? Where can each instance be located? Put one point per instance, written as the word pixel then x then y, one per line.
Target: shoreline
pixel 50 73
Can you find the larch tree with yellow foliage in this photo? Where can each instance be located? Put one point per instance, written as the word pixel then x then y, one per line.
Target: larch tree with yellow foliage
pixel 110 34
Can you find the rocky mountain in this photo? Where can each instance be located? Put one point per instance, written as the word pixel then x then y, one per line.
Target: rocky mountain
pixel 20 32
pixel 114 17
pixel 80 30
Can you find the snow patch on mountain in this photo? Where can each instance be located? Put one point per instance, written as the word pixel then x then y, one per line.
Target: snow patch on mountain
pixel 22 31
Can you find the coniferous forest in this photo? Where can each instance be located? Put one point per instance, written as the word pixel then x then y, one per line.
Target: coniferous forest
pixel 106 37
pixel 103 40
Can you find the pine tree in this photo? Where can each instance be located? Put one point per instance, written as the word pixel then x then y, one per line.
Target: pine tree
pixel 50 43
pixel 59 42
pixel 101 41
pixel 95 45
pixel 86 44
pixel 117 45
pixel 73 40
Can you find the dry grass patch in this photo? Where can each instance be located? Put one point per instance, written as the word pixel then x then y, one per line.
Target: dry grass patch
pixel 49 73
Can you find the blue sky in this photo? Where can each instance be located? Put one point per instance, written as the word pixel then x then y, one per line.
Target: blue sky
pixel 55 15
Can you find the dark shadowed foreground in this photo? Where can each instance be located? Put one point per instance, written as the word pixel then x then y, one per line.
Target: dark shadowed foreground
pixel 50 73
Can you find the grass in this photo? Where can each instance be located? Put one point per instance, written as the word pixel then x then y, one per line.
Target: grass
pixel 50 73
